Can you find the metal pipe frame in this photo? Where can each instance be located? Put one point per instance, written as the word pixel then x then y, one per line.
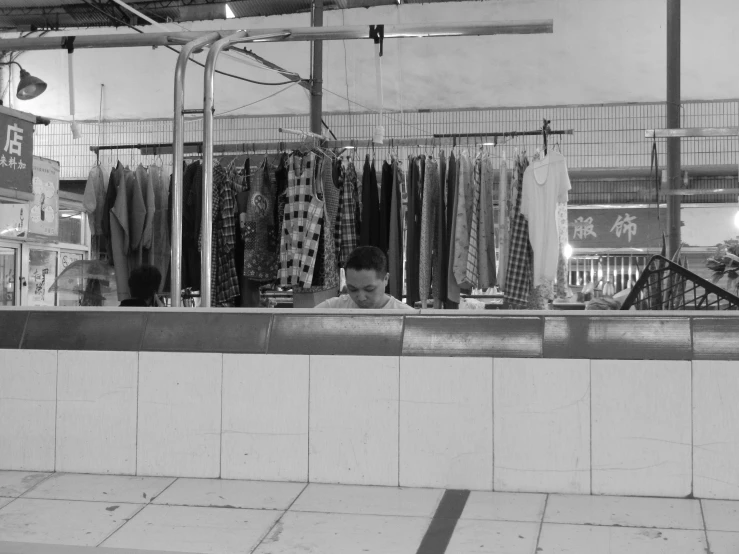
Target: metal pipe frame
pixel 692 132
pixel 178 147
pixel 206 274
pixel 128 40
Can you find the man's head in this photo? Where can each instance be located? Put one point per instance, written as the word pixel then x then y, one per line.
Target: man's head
pixel 367 277
pixel 144 282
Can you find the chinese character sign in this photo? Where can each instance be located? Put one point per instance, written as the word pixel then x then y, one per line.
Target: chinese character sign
pixel 625 227
pixel 44 217
pixel 16 150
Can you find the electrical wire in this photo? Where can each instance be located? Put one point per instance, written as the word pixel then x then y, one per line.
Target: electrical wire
pixel 121 22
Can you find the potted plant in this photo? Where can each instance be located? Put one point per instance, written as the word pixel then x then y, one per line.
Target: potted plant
pixel 726 262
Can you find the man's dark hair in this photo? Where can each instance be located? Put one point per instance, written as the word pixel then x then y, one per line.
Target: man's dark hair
pixel 367 257
pixel 144 281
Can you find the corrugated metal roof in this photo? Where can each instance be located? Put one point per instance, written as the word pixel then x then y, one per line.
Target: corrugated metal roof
pixel 44 14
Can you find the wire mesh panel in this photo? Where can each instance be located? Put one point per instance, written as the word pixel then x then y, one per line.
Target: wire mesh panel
pixel 606 135
pixel 665 285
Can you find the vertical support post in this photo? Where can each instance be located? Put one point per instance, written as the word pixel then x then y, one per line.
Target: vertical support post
pixel 178 147
pixel 673 122
pixel 316 88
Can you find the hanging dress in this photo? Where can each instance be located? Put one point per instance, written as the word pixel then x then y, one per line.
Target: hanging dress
pixel 520 262
pixel 261 254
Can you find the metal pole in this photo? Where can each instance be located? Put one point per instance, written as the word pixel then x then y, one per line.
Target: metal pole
pixel 673 122
pixel 404 30
pixel 178 146
pixel 316 89
pixel 206 275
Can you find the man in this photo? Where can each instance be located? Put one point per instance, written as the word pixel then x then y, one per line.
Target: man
pixel 144 283
pixel 366 279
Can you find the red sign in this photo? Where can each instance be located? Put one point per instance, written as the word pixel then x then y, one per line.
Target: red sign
pixel 624 227
pixel 16 149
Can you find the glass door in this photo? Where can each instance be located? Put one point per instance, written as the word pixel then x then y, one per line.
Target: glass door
pixel 40 272
pixel 9 270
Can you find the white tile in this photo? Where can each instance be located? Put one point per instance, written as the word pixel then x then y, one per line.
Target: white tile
pixel 354 420
pixel 96 412
pixel 504 506
pixel 202 530
pixel 5 501
pixel 641 428
pixel 570 539
pixel 344 534
pixel 721 515
pixel 15 483
pixel 381 501
pixel 723 543
pixel 715 430
pixel 62 521
pixel 446 423
pixel 493 537
pixel 664 513
pixel 179 424
pixel 265 417
pixel 541 417
pixel 27 409
pixel 259 495
pixel 101 488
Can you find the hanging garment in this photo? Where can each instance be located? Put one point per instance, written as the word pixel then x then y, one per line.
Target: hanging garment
pixel 452 290
pixel 386 195
pixel 486 229
pixel 395 248
pixel 429 228
pixel 147 188
pixel 224 276
pixel 345 228
pixel 545 183
pixel 440 274
pixel 473 270
pixel 137 215
pixel 116 178
pixel 159 253
pixel 520 256
pixel 192 191
pixel 295 224
pixel 326 271
pixel 94 205
pixel 465 201
pixel 127 216
pixel 370 233
pixel 503 224
pixel 413 219
pixel 310 239
pixel 261 250
pixel 330 193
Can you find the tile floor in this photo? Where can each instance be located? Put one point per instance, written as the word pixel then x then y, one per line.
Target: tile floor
pixel 44 513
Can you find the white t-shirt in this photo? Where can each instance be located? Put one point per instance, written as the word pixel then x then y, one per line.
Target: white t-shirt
pixel 545 183
pixel 345 302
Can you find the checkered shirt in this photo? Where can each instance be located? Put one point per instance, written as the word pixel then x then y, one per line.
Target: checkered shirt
pixel 520 254
pixel 299 195
pixel 473 273
pixel 345 228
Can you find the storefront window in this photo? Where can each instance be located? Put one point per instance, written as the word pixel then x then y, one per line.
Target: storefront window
pixel 70 227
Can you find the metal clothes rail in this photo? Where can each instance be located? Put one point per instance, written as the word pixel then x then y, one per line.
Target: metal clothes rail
pixel 216 41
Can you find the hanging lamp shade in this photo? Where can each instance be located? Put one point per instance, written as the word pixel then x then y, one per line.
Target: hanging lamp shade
pixel 29 86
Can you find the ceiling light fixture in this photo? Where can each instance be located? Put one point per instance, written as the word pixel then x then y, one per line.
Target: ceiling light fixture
pixel 29 86
pixel 229 12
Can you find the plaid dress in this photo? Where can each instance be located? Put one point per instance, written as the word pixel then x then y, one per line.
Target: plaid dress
pixel 224 277
pixel 472 275
pixel 296 219
pixel 520 255
pixel 345 227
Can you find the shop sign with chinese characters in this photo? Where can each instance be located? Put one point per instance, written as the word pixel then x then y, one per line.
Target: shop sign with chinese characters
pixel 45 204
pixel 16 149
pixel 623 227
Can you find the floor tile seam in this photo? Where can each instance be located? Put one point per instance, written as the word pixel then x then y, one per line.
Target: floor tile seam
pixel 541 524
pixel 622 526
pixel 416 516
pixel 123 524
pixel 34 487
pixel 705 528
pixel 52 548
pixel 279 519
pixel 134 503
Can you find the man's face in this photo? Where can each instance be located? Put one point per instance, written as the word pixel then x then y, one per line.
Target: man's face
pixel 366 288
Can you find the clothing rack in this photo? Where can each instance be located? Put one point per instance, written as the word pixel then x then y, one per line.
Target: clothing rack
pixel 452 140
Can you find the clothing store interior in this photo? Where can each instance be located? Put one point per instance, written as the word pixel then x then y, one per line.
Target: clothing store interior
pixel 487 183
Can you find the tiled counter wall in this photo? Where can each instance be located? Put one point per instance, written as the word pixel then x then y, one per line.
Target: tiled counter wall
pixel 627 427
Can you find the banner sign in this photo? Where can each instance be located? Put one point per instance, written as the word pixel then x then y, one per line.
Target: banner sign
pixel 16 149
pixel 45 204
pixel 13 220
pixel 623 227
pixel 41 275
